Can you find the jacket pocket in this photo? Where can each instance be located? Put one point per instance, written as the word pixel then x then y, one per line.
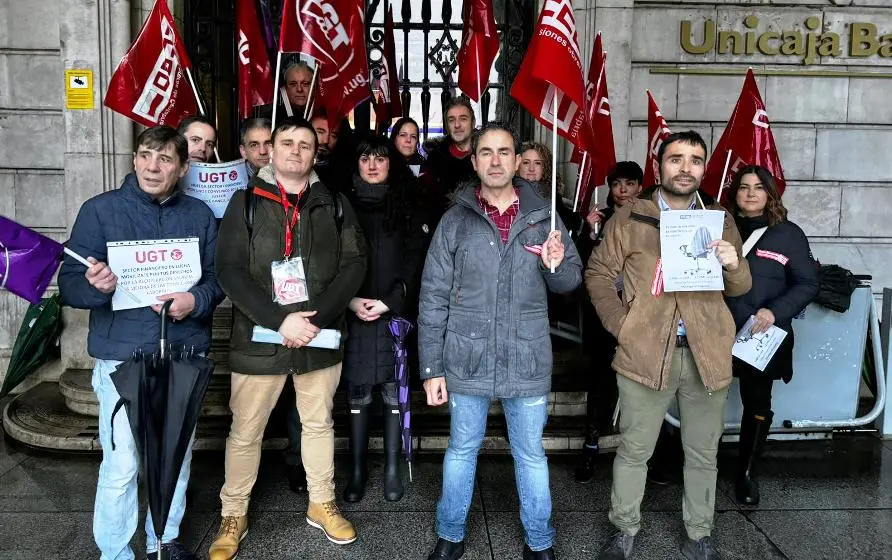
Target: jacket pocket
pixel 465 347
pixel 533 347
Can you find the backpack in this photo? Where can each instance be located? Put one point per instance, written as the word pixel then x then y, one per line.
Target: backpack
pixel 337 212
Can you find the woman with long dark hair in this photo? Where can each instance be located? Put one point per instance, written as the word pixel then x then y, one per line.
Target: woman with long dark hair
pixel 785 280
pixel 382 199
pixel 404 141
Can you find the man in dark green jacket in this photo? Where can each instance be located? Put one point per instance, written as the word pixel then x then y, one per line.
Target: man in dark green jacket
pixel 291 265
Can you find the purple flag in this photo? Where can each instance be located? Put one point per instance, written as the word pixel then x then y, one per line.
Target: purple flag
pixel 267 27
pixel 28 260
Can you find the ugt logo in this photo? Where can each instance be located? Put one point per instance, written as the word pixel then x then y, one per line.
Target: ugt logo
pixel 321 14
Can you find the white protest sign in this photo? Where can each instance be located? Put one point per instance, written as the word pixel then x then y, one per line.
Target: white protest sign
pixel 214 183
pixel 689 265
pixel 152 268
pixel 757 349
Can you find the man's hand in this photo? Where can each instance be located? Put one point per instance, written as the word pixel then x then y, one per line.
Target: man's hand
pixel 183 304
pixel 297 330
pixel 726 253
pixel 764 320
pixel 435 387
pixel 101 277
pixel 552 250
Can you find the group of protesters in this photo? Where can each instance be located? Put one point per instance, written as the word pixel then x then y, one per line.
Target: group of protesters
pixel 345 232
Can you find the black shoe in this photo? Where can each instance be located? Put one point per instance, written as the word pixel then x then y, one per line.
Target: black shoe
pixel 359 449
pixel 172 551
pixel 617 547
pixel 657 475
pixel 700 550
pixel 547 554
pixel 753 433
pixel 297 478
pixel 393 439
pixel 447 550
pixel 585 472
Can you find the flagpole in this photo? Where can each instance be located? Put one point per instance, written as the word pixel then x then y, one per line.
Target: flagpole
pixel 724 173
pixel 276 87
pixel 554 110
pixel 579 181
pixel 198 102
pixel 310 99
pixel 88 264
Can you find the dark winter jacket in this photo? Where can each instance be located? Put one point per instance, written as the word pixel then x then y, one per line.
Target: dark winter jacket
pixel 130 214
pixel 441 176
pixel 334 264
pixel 785 280
pixel 395 253
pixel 483 319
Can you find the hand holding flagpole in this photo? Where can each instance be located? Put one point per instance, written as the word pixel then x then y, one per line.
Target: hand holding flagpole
pixel 88 264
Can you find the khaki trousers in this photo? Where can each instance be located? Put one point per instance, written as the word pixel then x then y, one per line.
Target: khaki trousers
pixel 641 414
pixel 252 400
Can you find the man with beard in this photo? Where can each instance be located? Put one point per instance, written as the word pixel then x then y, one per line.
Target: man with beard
pixel 448 165
pixel 335 163
pixel 201 136
pixel 255 144
pixel 677 345
pixel 483 333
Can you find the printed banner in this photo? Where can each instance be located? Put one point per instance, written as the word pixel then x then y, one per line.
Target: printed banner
pixel 689 264
pixel 214 183
pixel 152 268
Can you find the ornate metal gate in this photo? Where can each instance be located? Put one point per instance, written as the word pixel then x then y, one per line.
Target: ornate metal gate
pixel 427 36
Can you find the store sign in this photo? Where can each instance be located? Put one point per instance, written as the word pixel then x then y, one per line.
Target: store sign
pixel 864 40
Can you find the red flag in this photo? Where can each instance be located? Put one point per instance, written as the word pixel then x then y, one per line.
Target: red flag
pixel 289 33
pixel 657 131
pixel 388 104
pixel 602 158
pixel 333 33
pixel 255 75
pixel 552 69
pixel 749 137
pixel 479 47
pixel 149 85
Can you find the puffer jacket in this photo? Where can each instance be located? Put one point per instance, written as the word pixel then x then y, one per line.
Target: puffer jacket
pixel 334 264
pixel 645 325
pixel 483 320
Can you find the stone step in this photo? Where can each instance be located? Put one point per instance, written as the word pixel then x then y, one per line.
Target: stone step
pixel 41 418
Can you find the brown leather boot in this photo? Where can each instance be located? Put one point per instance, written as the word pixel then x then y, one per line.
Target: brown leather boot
pixel 233 531
pixel 327 516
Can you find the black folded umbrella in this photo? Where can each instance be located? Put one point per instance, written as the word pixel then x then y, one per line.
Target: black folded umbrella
pixel 162 394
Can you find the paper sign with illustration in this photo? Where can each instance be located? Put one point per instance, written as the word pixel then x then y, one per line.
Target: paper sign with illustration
pixel 757 349
pixel 214 183
pixel 689 264
pixel 149 269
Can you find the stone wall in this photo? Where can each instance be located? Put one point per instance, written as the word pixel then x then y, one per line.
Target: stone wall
pixel 833 133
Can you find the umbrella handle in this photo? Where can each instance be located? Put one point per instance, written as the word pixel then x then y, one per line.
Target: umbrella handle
pixel 164 309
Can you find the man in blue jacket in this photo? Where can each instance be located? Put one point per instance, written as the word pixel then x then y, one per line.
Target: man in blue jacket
pixel 483 333
pixel 148 206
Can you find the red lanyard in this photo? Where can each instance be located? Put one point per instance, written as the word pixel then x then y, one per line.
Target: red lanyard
pixel 295 218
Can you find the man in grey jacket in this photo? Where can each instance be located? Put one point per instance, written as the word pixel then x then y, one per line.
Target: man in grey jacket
pixel 484 333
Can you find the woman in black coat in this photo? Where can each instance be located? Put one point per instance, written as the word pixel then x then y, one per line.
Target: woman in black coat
pixel 395 236
pixel 785 280
pixel 404 141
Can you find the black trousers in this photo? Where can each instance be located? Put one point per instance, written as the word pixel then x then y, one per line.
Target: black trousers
pixel 601 386
pixel 755 393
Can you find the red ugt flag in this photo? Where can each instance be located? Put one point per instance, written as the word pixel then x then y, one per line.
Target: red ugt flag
pixel 388 104
pixel 602 158
pixel 749 137
pixel 255 75
pixel 333 33
pixel 552 69
pixel 657 131
pixel 289 33
pixel 479 47
pixel 149 84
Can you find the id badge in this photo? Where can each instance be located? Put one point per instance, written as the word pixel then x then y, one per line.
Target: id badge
pixel 289 281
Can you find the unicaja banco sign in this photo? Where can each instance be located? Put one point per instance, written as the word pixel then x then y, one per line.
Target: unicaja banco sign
pixel 863 40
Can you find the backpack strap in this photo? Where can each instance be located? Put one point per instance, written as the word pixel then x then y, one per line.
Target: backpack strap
pixel 337 210
pixel 249 210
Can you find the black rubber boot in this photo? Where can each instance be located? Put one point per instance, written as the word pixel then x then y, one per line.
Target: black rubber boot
pixel 753 433
pixel 359 450
pixel 585 471
pixel 393 438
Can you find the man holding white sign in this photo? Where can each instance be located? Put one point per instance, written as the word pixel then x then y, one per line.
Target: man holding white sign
pixel 149 233
pixel 671 345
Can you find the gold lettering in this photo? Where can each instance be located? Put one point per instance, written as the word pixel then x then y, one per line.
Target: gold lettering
pixel 764 47
pixel 751 22
pixel 886 50
pixel 811 40
pixel 730 41
pixel 687 37
pixel 864 40
pixel 792 43
pixel 830 45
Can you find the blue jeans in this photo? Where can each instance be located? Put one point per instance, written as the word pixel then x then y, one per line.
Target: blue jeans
pixel 116 513
pixel 526 418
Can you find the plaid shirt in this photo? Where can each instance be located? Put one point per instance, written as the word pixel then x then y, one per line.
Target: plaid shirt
pixel 502 221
